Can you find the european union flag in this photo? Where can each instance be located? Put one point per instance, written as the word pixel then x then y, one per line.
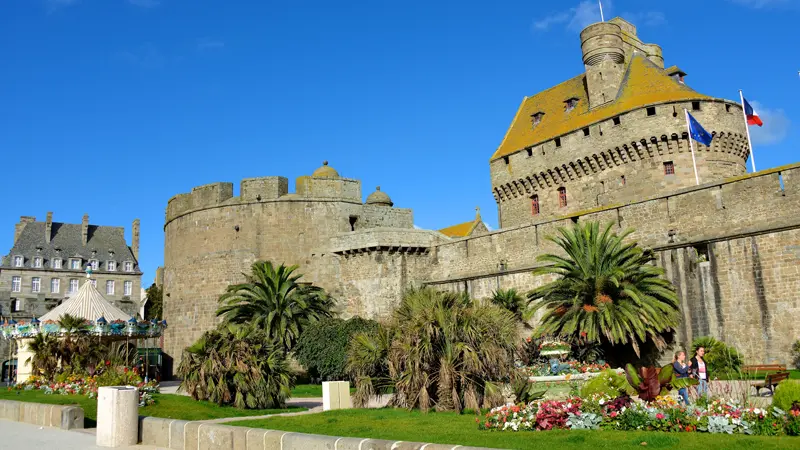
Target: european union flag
pixel 697 132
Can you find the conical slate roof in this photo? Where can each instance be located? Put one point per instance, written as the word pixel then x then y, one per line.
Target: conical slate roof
pixel 89 304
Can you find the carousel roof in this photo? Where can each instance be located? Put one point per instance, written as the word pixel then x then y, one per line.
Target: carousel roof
pixel 87 303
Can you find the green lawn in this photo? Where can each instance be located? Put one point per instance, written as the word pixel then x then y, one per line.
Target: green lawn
pixel 311 391
pixel 168 406
pixel 794 374
pixel 450 428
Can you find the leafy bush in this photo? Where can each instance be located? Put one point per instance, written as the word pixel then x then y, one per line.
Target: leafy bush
pixel 787 392
pixel 608 383
pixel 441 349
pixel 721 358
pixel 796 354
pixel 236 366
pixel 322 347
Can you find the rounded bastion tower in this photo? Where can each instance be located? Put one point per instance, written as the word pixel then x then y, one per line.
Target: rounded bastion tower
pixel 612 135
pixel 211 238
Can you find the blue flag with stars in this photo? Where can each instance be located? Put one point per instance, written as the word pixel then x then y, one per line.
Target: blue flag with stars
pixel 697 132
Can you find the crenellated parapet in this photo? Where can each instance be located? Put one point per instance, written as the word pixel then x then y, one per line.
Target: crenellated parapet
pixel 391 240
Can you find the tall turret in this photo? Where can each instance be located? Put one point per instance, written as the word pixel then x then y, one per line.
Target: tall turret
pixel 604 59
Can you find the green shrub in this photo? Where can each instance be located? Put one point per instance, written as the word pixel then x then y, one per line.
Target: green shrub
pixel 608 382
pixel 322 347
pixel 722 359
pixel 796 354
pixel 237 366
pixel 787 392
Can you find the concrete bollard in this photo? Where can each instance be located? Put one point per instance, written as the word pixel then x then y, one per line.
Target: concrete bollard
pixel 117 416
pixel 336 395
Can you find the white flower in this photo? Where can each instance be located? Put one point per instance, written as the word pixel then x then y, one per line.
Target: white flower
pixel 602 402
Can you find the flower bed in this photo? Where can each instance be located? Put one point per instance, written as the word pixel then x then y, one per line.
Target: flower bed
pixel 88 385
pixel 623 413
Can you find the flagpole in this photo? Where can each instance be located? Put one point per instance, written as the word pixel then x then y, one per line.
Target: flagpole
pixel 602 19
pixel 747 128
pixel 691 144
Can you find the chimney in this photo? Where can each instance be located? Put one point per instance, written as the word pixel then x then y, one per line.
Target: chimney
pixel 85 229
pixel 48 227
pixel 23 220
pixel 135 239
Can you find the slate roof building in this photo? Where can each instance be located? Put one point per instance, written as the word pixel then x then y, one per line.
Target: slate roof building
pixel 47 264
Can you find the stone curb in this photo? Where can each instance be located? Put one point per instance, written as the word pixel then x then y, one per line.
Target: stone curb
pixel 57 416
pixel 182 435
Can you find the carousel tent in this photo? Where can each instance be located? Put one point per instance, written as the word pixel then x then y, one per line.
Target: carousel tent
pixel 89 304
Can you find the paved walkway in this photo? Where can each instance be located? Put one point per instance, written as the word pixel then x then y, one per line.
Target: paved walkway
pixel 23 435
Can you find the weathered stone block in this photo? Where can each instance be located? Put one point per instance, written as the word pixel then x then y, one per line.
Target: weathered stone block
pixel 155 431
pixel 177 434
pixel 255 439
pixel 308 442
pixel 191 435
pixel 215 437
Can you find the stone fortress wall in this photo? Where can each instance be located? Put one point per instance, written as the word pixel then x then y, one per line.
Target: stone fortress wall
pixel 730 245
pixel 731 248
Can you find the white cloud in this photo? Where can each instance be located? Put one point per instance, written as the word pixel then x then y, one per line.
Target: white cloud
pixel 648 19
pixel 776 126
pixel 588 12
pixel 147 56
pixel 758 4
pixel 209 44
pixel 53 5
pixel 145 3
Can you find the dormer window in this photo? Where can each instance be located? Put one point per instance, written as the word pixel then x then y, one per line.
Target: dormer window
pixel 536 118
pixel 570 103
pixel 18 261
pixel 128 266
pixel 111 266
pixel 75 264
pixel 95 264
pixel 55 263
pixel 37 262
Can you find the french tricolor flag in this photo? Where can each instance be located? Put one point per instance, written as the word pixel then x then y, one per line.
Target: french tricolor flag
pixel 751 114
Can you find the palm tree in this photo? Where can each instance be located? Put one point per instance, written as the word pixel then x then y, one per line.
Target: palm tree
pixel 440 349
pixel 272 300
pixel 515 303
pixel 46 355
pixel 607 291
pixel 237 366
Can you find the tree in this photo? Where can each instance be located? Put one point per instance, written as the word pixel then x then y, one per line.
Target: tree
pixel 154 309
pixel 322 347
pixel 607 291
pixel 515 303
pixel 239 366
pixel 274 301
pixel 440 349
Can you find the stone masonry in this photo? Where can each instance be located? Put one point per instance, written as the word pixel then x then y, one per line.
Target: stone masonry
pixel 610 145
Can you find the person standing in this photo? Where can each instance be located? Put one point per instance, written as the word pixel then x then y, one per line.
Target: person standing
pixel 700 371
pixel 681 370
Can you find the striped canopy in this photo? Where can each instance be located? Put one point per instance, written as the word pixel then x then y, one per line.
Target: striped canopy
pixel 88 304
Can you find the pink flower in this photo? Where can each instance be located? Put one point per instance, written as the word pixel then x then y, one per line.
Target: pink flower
pixel 659 416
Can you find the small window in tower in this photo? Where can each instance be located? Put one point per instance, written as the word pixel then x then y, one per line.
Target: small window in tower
pixel 535 205
pixel 622 180
pixel 558 142
pixel 616 120
pixel 570 103
pixel 586 131
pixel 695 106
pixel 505 159
pixel 530 152
pixel 536 118
pixel 727 108
pixel 562 197
pixel 669 168
pixel 651 111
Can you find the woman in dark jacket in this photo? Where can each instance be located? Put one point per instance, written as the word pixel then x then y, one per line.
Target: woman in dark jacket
pixel 700 371
pixel 681 370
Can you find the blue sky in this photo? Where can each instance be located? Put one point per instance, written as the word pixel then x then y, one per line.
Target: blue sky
pixel 110 107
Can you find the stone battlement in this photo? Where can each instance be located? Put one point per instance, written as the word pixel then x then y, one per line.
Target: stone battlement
pixel 741 205
pixel 385 239
pixel 263 190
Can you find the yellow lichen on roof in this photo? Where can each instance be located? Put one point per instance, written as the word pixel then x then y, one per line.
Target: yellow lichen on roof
pixel 460 230
pixel 643 84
